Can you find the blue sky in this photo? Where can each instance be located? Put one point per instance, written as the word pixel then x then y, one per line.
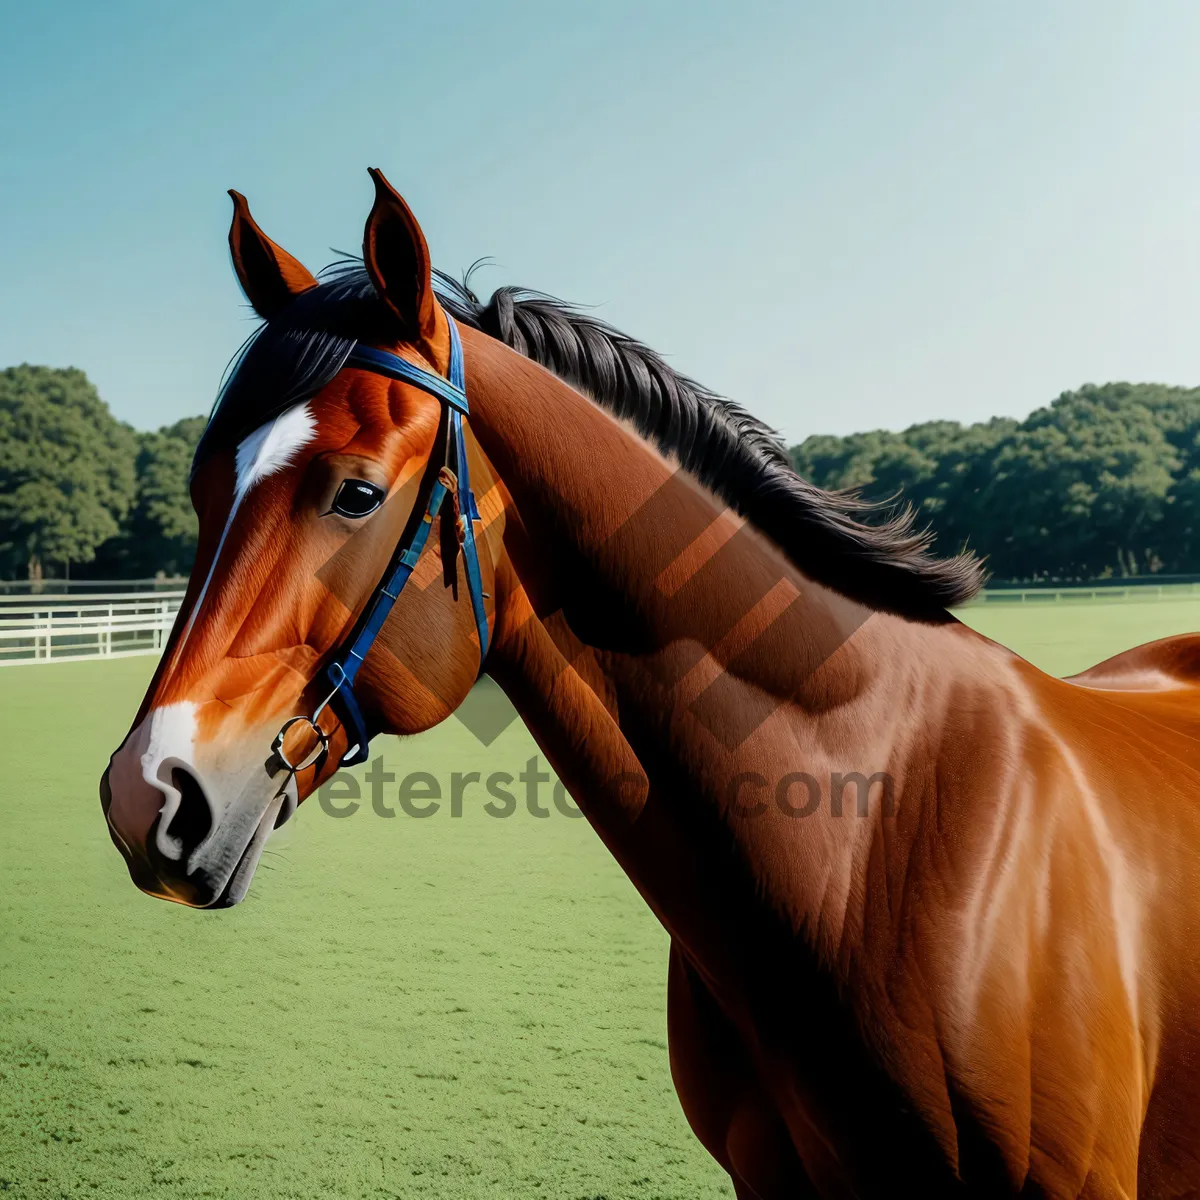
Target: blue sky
pixel 846 215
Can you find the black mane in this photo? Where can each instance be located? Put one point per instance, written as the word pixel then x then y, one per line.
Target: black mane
pixel 873 553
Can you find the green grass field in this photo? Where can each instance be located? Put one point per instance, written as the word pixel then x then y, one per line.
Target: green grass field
pixel 445 1007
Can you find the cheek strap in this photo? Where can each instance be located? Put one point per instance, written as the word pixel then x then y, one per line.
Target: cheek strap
pixel 452 479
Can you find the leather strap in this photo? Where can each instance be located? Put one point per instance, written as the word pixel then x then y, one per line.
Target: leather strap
pixel 340 672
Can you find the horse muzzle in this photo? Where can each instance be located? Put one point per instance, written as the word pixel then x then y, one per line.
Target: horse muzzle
pixel 189 833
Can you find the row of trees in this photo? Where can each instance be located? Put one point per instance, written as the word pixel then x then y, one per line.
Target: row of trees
pixel 1104 481
pixel 82 493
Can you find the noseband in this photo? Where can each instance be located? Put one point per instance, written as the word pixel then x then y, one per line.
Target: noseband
pixel 449 475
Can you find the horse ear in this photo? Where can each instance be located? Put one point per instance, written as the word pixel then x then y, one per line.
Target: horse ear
pixel 397 260
pixel 269 275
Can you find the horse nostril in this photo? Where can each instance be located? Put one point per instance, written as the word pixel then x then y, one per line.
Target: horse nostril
pixel 192 821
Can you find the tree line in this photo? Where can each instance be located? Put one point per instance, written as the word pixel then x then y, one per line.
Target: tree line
pixel 1103 482
pixel 83 494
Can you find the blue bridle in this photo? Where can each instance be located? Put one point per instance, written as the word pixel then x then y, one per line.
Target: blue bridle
pixel 453 475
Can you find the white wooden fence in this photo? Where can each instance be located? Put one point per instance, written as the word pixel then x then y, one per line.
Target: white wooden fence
pixel 41 629
pixel 1104 593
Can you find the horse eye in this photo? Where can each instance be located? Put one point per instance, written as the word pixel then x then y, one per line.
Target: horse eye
pixel 357 498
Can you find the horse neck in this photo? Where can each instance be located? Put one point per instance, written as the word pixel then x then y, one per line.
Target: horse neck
pixel 666 657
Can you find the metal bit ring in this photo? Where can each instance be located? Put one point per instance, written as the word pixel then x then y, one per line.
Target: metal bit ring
pixel 311 759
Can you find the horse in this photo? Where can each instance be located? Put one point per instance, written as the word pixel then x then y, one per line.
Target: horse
pixel 930 910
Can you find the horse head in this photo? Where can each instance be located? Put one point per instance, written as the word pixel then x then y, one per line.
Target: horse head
pixel 337 468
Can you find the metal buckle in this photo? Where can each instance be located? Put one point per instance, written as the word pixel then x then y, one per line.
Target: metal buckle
pixel 311 759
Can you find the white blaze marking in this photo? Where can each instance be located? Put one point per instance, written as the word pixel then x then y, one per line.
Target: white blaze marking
pixel 270 448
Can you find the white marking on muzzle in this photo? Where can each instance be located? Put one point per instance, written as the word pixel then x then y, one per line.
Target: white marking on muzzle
pixel 164 739
pixel 243 801
pixel 172 744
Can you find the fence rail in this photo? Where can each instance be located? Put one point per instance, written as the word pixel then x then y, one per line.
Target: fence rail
pixel 42 629
pixel 1109 593
pixel 55 628
pixel 45 588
